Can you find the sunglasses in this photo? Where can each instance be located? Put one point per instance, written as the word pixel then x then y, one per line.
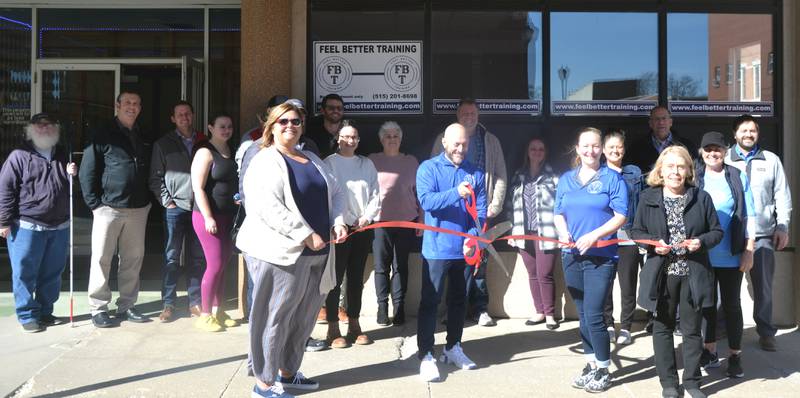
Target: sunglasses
pixel 294 122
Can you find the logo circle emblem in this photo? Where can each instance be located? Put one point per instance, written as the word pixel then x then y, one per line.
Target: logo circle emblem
pixel 402 73
pixel 595 187
pixel 334 74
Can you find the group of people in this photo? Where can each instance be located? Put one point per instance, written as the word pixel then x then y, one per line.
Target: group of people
pixel 693 220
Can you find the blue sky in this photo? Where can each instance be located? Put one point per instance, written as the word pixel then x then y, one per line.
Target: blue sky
pixel 624 45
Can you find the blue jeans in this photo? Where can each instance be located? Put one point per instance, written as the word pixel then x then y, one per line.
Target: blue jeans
pixel 178 223
pixel 588 279
pixel 477 288
pixel 433 278
pixel 37 261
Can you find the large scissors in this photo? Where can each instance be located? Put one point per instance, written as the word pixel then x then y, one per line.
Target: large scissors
pixel 491 234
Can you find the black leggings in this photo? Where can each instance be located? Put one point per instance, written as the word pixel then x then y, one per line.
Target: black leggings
pixel 628 273
pixel 730 287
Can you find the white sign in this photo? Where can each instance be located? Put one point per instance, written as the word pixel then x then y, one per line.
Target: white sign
pixel 373 77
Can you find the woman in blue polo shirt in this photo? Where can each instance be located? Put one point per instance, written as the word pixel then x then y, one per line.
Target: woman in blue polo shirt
pixel 591 204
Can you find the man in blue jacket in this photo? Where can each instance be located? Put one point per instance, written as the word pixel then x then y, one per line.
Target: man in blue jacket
pixel 443 185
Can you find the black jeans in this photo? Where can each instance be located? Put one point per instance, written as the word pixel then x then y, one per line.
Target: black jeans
pixel 628 273
pixel 433 275
pixel 730 286
pixel 350 258
pixel 678 296
pixel 390 250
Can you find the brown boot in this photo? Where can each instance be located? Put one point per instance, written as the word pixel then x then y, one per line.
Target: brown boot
pixel 354 333
pixel 334 338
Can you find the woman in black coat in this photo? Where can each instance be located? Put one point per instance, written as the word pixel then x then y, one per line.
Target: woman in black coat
pixel 677 274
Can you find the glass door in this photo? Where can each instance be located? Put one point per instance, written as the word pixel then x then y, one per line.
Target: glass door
pixel 80 96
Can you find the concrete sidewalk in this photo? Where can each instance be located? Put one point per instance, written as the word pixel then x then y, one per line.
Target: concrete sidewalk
pixel 177 360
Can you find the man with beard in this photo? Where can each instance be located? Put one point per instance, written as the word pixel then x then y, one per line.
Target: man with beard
pixel 113 179
pixel 442 185
pixel 34 218
pixel 323 129
pixel 487 155
pixel 773 203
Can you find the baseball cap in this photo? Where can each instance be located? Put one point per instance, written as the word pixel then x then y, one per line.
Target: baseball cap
pixel 39 117
pixel 713 138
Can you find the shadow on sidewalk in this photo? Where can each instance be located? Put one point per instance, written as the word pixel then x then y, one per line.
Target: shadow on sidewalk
pixel 149 375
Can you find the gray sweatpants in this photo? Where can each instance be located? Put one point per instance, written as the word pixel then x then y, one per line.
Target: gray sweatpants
pixel 286 301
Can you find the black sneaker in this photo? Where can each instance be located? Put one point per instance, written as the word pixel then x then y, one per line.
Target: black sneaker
pixel 600 381
pixel 298 382
pixel 50 320
pixel 32 327
pixel 709 359
pixel 586 374
pixel 735 366
pixel 670 392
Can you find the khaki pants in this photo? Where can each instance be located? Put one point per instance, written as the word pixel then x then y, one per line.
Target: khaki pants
pixel 116 231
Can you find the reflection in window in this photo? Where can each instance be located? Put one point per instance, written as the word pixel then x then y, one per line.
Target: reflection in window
pixel 699 45
pixel 487 54
pixel 604 56
pixel 97 33
pixel 224 61
pixel 15 76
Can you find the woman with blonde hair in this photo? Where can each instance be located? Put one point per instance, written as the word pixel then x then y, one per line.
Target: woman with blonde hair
pixel 591 204
pixel 677 275
pixel 285 241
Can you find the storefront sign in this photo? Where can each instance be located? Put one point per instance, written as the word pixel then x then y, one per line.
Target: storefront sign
pixel 373 77
pixel 721 108
pixel 602 107
pixel 492 106
pixel 15 116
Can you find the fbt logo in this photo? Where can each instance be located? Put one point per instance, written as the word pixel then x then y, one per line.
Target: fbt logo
pixel 334 74
pixel 402 73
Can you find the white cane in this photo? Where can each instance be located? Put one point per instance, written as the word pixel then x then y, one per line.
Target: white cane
pixel 71 245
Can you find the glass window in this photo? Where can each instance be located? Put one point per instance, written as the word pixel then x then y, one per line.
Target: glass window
pixel 699 46
pixel 604 63
pixel 15 76
pixel 487 55
pixel 123 33
pixel 376 67
pixel 225 62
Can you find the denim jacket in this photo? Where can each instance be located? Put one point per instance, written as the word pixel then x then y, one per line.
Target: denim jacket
pixel 634 180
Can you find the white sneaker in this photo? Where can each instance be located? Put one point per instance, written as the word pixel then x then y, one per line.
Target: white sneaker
pixel 612 334
pixel 624 337
pixel 457 357
pixel 428 371
pixel 485 320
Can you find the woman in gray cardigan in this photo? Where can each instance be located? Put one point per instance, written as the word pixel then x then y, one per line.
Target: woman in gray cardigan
pixel 294 209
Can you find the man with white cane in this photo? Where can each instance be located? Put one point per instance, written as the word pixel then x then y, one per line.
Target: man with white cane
pixel 35 220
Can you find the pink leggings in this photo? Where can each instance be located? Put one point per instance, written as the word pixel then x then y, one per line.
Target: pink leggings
pixel 217 249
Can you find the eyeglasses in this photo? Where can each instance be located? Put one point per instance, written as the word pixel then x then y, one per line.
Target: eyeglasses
pixel 349 138
pixel 294 122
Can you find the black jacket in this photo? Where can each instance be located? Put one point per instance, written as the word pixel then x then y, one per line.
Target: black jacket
pixel 114 168
pixel 700 219
pixel 642 153
pixel 738 223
